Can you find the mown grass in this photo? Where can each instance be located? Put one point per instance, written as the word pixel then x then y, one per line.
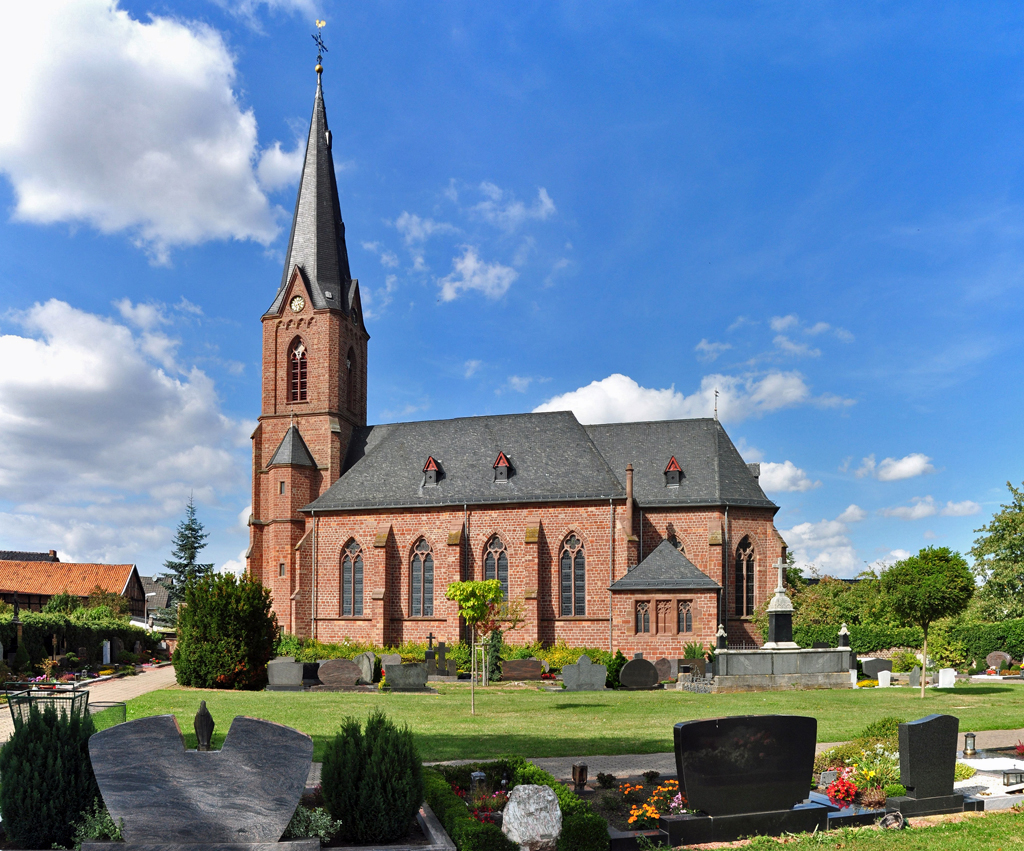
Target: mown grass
pixel 534 723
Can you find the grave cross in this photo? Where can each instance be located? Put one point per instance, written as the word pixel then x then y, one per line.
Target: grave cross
pixel 430 641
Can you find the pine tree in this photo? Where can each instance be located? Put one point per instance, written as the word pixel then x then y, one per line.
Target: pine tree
pixel 189 541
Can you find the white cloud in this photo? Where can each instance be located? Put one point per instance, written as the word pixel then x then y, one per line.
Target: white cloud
pixel 376 301
pixel 127 126
pixel 469 272
pixel 792 323
pixel 415 229
pixel 501 208
pixel 785 477
pixel 708 352
pixel 102 446
pixel 784 344
pixel 824 547
pixel 235 565
pixel 144 316
pixel 919 508
pixel 895 469
pixel 470 367
pixel 279 169
pixel 618 398
pixel 519 383
pixel 960 509
pixel 880 564
pixel 388 259
pixel 782 323
pixel 852 514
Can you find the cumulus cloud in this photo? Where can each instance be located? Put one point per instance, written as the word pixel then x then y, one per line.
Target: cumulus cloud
pixel 234 565
pixel 415 229
pixel 141 132
pixel 618 398
pixel 852 514
pixel 84 469
pixel 708 352
pixel 792 322
pixel 375 301
pixel 787 346
pixel 144 316
pixel 500 207
pixel 469 272
pixel 894 469
pixel 388 259
pixel 785 477
pixel 926 506
pixel 279 169
pixel 823 547
pixel 520 383
pixel 783 323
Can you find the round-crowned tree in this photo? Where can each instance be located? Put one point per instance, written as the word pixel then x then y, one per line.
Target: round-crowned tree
pixel 226 633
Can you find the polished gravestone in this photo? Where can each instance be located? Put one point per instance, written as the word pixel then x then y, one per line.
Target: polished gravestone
pixel 927 765
pixel 871 667
pixel 748 774
pixel 695 666
pixel 411 676
pixel 996 657
pixel 521 669
pixel 584 675
pixel 284 674
pixel 339 673
pixel 638 673
pixel 166 797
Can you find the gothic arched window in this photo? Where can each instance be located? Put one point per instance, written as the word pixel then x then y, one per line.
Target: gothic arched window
pixel 352 580
pixel 573 575
pixel 496 563
pixel 685 616
pixel 297 372
pixel 744 584
pixel 643 617
pixel 350 379
pixel 421 597
pixel 675 542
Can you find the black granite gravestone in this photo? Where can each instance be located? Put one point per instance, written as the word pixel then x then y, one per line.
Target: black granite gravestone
pixel 871 667
pixel 638 674
pixel 927 765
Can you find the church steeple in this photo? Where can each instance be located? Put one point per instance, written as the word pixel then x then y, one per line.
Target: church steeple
pixel 317 242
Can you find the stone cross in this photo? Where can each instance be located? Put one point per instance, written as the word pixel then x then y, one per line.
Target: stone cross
pixel 430 640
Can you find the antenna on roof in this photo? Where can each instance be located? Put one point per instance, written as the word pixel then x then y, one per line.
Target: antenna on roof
pixel 716 403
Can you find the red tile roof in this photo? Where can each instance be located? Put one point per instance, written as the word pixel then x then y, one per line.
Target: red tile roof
pixel 49 578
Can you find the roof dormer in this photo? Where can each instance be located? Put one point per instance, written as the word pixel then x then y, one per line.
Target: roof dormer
pixel 502 468
pixel 673 473
pixel 431 472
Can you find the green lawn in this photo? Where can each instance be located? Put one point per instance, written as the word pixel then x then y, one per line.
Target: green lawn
pixel 534 723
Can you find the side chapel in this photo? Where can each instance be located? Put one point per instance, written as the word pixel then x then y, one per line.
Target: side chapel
pixel 637 536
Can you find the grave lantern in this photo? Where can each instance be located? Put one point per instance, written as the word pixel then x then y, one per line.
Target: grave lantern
pixel 969 750
pixel 477 780
pixel 1013 778
pixel 579 775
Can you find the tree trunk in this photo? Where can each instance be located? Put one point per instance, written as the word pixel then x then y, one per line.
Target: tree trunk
pixel 924 663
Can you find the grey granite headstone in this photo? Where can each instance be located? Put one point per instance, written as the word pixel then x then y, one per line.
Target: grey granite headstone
pixel 284 674
pixel 243 794
pixel 430 659
pixel 408 677
pixel 116 649
pixel 928 755
pixel 339 673
pixel 391 659
pixel 366 661
pixel 994 658
pixel 584 675
pixel 947 678
pixel 638 674
pixel 871 667
pixel 915 677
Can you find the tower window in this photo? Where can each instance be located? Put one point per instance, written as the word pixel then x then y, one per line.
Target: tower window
pixel 280 569
pixel 496 563
pixel 573 577
pixel 744 579
pixel 280 487
pixel 673 473
pixel 297 374
pixel 421 597
pixel 352 580
pixel 643 616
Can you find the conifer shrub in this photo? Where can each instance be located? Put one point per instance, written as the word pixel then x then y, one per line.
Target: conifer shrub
pixel 226 633
pixel 372 780
pixel 48 782
pixel 584 832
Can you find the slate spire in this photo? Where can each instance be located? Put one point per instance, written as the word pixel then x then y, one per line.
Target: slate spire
pixel 317 241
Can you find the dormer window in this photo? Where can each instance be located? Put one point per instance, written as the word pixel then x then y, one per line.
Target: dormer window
pixel 502 468
pixel 431 471
pixel 673 473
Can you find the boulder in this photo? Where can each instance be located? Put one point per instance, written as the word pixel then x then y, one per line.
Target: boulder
pixel 532 818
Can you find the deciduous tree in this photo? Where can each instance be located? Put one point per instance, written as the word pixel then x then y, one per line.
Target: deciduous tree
pixel 999 561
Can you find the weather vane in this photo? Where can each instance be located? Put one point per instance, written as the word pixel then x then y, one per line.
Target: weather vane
pixel 321 48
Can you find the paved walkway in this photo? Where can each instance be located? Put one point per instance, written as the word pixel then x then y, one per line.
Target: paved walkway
pixel 116 690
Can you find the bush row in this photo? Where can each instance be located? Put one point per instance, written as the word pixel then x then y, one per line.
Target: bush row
pixel 466 832
pixel 864 638
pixel 73 631
pixel 980 639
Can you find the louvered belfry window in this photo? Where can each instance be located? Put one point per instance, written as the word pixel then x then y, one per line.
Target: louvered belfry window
pixel 352 580
pixel 573 577
pixel 421 597
pixel 297 378
pixel 496 563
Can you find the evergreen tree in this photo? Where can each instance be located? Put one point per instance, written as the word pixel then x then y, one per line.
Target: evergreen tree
pixel 189 541
pixel 999 561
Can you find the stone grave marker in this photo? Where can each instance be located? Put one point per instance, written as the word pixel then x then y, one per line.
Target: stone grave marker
pixel 915 677
pixel 390 659
pixel 339 673
pixel 241 796
pixel 366 662
pixel 638 674
pixel 408 677
pixel 584 675
pixel 994 658
pixel 664 668
pixel 83 654
pixel 442 659
pixel 884 678
pixel 853 677
pixel 284 674
pixel 430 660
pixel 515 670
pixel 545 664
pixel 106 652
pixel 697 666
pixel 927 764
pixel 827 777
pixel 873 666
pixel 638 655
pixel 116 649
pixel 947 677
pixel 137 648
pixel 532 818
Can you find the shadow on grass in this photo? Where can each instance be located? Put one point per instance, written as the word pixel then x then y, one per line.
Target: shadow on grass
pixel 963 692
pixel 579 705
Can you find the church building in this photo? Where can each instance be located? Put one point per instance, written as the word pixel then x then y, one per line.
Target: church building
pixel 640 536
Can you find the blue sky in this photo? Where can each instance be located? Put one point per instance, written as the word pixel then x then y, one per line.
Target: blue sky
pixel 816 209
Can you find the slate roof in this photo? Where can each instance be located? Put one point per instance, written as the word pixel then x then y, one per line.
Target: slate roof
pixel 49 578
pixel 553 458
pixel 151 584
pixel 714 473
pixel 317 241
pixel 13 555
pixel 293 451
pixel 665 569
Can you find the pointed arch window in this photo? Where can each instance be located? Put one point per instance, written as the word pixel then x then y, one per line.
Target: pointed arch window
pixel 685 616
pixel 744 578
pixel 352 580
pixel 421 597
pixel 496 563
pixel 350 379
pixel 573 577
pixel 673 539
pixel 297 372
pixel 643 617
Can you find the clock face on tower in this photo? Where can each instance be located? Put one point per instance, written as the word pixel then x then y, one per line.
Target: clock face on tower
pixel 298 303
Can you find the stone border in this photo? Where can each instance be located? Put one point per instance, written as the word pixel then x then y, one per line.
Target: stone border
pixel 437 837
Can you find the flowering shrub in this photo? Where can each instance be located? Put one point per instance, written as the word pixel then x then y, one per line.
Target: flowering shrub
pixel 485 807
pixel 841 792
pixel 1019 748
pixel 867 684
pixel 875 767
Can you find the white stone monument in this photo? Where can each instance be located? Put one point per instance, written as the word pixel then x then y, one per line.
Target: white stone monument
pixel 947 677
pixel 106 652
pixel 884 679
